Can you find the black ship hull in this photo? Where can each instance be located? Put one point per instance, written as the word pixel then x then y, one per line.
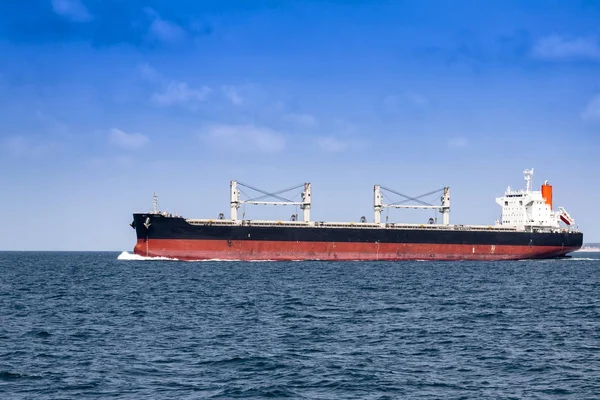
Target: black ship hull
pixel 173 237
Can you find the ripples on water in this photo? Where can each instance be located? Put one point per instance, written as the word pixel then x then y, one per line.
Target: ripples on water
pixel 86 325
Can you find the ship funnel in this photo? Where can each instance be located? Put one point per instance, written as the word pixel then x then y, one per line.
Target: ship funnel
pixel 547 193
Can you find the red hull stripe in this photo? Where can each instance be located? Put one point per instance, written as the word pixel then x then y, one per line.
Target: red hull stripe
pixel 281 251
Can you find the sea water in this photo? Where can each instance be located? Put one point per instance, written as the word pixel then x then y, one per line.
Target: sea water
pixel 110 325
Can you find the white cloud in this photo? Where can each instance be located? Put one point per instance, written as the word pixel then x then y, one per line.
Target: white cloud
pixel 172 92
pixel 51 123
pixel 23 146
pixel 592 111
pixel 73 10
pixel 458 142
pixel 344 136
pixel 163 30
pixel 301 119
pixel 180 93
pixel 393 102
pixel 148 73
pixel 104 162
pixel 339 142
pixel 244 138
pixel 232 94
pixel 343 127
pixel 417 99
pixel 332 143
pixel 556 47
pixel 127 140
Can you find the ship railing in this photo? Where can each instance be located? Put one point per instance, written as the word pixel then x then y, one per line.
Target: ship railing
pixel 210 222
pixel 246 222
pixel 451 227
pixel 355 225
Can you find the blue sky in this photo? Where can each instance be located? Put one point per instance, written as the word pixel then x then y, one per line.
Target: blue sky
pixel 103 102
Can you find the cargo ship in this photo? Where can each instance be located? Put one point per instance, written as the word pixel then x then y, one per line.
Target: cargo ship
pixel 529 228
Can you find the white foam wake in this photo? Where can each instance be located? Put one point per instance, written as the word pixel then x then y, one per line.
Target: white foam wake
pixel 135 257
pixel 588 250
pixel 126 256
pixel 546 260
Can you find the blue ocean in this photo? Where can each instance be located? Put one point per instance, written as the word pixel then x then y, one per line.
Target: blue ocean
pixel 93 326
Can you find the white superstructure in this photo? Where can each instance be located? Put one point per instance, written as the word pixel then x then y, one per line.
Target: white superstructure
pixel 529 209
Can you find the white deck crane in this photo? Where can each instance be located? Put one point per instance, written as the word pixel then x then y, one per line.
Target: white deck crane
pixel 379 206
pixel 236 202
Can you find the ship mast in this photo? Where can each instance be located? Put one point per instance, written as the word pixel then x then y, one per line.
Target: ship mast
pixel 377 203
pixel 235 200
pixel 155 203
pixel 305 206
pixel 445 209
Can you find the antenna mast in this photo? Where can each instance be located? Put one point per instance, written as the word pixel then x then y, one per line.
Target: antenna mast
pixel 528 174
